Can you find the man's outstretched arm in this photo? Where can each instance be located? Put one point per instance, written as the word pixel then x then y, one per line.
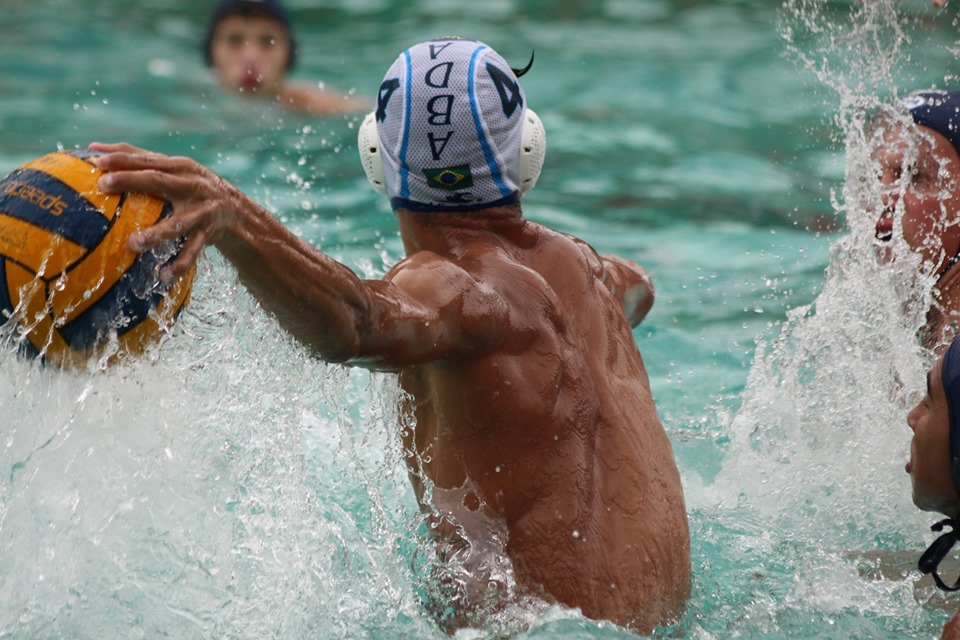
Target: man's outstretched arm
pixel 413 316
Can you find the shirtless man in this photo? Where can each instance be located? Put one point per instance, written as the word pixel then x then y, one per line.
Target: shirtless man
pixel 536 438
pixel 250 48
pixel 919 167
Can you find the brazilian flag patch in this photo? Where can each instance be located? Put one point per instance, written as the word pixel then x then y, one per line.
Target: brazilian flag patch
pixel 450 178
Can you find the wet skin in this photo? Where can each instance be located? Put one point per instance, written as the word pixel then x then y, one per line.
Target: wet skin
pixel 919 170
pixel 546 423
pixel 925 178
pixel 929 464
pixel 532 404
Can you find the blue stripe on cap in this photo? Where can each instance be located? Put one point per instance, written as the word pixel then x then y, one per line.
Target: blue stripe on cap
pixel 405 142
pixel 484 143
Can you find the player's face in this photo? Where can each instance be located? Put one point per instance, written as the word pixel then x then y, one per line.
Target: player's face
pixel 929 465
pixel 920 175
pixel 250 54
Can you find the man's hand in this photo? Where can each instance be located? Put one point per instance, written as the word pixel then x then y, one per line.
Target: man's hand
pixel 204 205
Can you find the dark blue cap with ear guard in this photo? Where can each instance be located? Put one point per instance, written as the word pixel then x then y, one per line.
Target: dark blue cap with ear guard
pixel 271 8
pixel 939 110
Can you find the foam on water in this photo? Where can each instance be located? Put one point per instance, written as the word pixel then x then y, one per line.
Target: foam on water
pixel 170 496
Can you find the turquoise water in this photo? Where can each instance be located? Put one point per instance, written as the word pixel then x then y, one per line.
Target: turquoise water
pixel 231 487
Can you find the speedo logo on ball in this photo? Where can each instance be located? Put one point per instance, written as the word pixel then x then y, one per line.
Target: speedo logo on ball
pixel 69 281
pixel 50 203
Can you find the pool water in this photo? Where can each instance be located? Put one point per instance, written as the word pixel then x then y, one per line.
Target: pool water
pixel 230 486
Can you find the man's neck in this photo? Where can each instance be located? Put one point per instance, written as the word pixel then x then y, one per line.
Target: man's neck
pixel 443 231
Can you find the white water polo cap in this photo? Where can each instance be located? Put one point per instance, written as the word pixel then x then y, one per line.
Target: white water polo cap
pixel 451 131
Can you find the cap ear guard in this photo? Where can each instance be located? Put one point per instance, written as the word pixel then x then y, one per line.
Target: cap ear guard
pixel 368 142
pixel 533 148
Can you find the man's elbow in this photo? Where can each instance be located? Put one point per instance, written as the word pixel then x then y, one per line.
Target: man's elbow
pixel 327 341
pixel 639 301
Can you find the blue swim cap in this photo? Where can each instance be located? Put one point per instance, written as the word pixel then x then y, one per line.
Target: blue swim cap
pixel 270 8
pixel 939 110
pixel 450 115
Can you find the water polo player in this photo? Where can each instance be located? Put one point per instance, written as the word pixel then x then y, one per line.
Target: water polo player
pixel 934 465
pixel 919 167
pixel 250 47
pixel 537 452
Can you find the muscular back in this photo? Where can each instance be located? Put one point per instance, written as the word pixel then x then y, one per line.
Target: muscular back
pixel 547 424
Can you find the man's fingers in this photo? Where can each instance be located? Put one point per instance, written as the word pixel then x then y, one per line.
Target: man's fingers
pixel 185 259
pixel 156 183
pixel 143 161
pixel 171 228
pixel 114 147
pixel 168 230
pixel 192 189
pixel 179 180
pixel 122 152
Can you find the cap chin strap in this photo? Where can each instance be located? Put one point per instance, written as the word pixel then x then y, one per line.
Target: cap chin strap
pixel 934 555
pixel 533 148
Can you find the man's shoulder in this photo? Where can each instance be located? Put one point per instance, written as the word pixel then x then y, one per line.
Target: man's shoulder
pixel 557 246
pixel 427 271
pixel 566 240
pixel 421 260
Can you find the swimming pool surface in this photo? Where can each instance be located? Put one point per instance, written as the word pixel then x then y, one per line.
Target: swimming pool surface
pixel 232 487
